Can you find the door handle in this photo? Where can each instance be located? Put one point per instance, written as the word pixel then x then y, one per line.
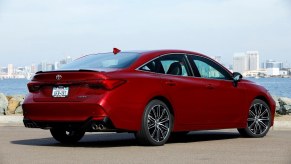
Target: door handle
pixel 170 83
pixel 209 86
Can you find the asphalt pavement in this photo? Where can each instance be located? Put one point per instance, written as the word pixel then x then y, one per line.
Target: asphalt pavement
pixel 23 145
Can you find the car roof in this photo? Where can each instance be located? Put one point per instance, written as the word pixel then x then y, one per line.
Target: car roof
pixel 148 55
pixel 151 54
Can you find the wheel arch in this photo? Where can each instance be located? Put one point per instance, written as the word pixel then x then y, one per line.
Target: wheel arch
pixel 166 101
pixel 263 98
pixel 270 105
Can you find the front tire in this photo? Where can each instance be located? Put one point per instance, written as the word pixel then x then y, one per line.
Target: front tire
pixel 67 136
pixel 157 123
pixel 259 120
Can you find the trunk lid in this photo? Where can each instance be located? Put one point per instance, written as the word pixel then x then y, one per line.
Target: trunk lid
pixel 58 86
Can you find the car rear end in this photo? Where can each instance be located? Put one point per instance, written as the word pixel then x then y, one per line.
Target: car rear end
pixel 73 96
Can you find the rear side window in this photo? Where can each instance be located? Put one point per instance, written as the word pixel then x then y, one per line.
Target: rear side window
pixel 174 64
pixel 103 60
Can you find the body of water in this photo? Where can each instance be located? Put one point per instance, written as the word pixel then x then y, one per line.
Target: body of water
pixel 276 86
pixel 14 86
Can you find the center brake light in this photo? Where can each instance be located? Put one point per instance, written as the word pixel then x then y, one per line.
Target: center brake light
pixel 116 51
pixel 107 84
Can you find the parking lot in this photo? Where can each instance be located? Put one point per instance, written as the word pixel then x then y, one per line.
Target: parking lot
pixel 22 145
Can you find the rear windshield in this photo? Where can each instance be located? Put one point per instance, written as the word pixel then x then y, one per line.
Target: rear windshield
pixel 102 60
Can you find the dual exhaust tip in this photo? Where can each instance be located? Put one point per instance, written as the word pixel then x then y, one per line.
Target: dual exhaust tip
pixel 98 127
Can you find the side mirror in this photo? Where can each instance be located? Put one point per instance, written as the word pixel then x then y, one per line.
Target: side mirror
pixel 236 78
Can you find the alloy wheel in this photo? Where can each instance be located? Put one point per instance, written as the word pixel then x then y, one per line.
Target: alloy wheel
pixel 158 123
pixel 258 119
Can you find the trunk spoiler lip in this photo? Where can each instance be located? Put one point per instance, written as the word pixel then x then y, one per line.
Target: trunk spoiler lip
pixel 80 70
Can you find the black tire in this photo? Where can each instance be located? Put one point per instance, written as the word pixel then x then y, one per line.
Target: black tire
pixel 258 121
pixel 157 123
pixel 67 136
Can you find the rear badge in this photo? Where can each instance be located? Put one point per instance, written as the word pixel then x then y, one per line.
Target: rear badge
pixel 58 77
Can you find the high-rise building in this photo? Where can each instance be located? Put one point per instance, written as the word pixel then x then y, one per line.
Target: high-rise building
pixel 33 68
pixel 57 65
pixel 239 62
pixel 252 60
pixel 10 69
pixel 248 61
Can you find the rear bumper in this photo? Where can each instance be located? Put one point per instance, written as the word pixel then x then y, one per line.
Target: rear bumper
pixel 61 112
pixel 91 124
pixel 124 114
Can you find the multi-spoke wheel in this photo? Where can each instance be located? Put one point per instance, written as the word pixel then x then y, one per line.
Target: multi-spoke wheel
pixel 259 120
pixel 67 136
pixel 156 124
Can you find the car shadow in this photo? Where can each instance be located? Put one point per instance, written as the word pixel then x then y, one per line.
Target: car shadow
pixel 201 136
pixel 128 139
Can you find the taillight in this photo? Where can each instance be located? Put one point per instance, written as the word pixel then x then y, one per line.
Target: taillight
pixel 107 84
pixel 33 87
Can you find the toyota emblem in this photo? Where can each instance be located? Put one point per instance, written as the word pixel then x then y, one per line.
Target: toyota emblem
pixel 58 77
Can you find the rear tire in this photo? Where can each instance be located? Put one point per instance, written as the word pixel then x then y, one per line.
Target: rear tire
pixel 67 136
pixel 258 121
pixel 157 123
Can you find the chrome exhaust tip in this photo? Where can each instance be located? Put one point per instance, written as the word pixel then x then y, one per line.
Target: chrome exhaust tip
pixel 94 127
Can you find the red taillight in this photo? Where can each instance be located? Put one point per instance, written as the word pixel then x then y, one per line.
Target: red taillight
pixel 33 87
pixel 107 84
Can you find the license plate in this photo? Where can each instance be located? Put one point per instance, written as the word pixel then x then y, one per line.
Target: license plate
pixel 60 91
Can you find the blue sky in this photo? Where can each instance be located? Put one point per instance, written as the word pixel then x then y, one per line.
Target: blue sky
pixel 32 30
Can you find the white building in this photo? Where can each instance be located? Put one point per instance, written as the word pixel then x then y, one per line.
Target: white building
pixel 248 61
pixel 33 68
pixel 10 70
pixel 273 71
pixel 57 65
pixel 252 60
pixel 283 72
pixel 239 62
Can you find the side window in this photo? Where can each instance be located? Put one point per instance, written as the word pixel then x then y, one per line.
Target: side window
pixel 209 69
pixel 174 64
pixel 151 66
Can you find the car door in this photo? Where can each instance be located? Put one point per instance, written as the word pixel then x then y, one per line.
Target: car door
pixel 186 95
pixel 223 107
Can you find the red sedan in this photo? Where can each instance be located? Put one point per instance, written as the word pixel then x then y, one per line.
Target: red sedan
pixel 153 94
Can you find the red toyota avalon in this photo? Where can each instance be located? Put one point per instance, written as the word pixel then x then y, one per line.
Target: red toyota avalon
pixel 152 94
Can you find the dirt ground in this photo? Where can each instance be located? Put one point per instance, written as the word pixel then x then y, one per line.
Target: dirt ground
pixel 283 118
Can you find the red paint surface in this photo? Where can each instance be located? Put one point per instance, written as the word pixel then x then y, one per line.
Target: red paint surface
pixel 197 103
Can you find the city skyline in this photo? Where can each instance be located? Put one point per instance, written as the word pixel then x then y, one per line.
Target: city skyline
pixel 247 63
pixel 32 30
pixel 251 61
pixel 220 59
